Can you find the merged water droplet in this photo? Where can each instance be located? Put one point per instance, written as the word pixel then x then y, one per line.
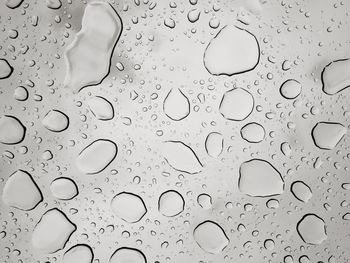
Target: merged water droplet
pixel 55 121
pixel 232 51
pixel 181 157
pixel 171 203
pixel 81 253
pixel 12 131
pixel 21 191
pixel 52 231
pixel 336 77
pixel 64 188
pixel 101 108
pixel 290 89
pixel 95 157
pixel 128 206
pixel 260 179
pixel 326 135
pixel 128 255
pixel 312 229
pixel 5 68
pixel 301 191
pixel 211 237
pixel 253 132
pixel 88 56
pixel 236 104
pixel 214 144
pixel 176 105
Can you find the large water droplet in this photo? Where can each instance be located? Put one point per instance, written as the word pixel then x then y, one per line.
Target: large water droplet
pixel 21 191
pixel 52 231
pixel 312 229
pixel 128 255
pixel 327 135
pixel 95 157
pixel 128 206
pixel 214 144
pixel 301 191
pixel 210 237
pixel 12 130
pixel 56 121
pixel 176 105
pixel 88 56
pixel 171 203
pixel 233 51
pixel 336 76
pixel 181 157
pixel 253 132
pixel 259 178
pixel 236 104
pixel 64 188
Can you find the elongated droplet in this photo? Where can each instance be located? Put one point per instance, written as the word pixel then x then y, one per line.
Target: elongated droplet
pixel 214 144
pixel 88 56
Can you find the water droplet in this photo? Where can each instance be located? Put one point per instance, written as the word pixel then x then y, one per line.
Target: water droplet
pixel 101 108
pixel 81 253
pixel 56 121
pixel 64 188
pixel 88 56
pixel 13 3
pixel 260 179
pixel 5 69
pixel 21 93
pixel 236 104
pixel 327 135
pixel 128 255
pixel 171 203
pixel 193 15
pixel 95 157
pixel 253 132
pixel 12 130
pixel 290 89
pixel 301 191
pixel 211 237
pixel 21 191
pixel 225 55
pixel 335 76
pixel 312 229
pixel 214 144
pixel 176 105
pixel 204 201
pixel 128 206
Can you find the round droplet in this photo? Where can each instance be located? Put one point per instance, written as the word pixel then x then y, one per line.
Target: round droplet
pixel 81 253
pixel 259 178
pixel 171 203
pixel 128 206
pixel 253 132
pixel 312 229
pixel 211 237
pixel 56 121
pixel 290 89
pixel 236 104
pixel 21 93
pixel 326 135
pixel 12 130
pixel 95 157
pixel 225 55
pixel 64 188
pixel 176 105
pixel 101 108
pixel 128 255
pixel 193 15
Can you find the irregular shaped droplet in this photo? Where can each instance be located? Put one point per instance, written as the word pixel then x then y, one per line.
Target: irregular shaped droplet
pixel 21 191
pixel 286 149
pixel 128 255
pixel 181 157
pixel 55 121
pixel 290 89
pixel 101 108
pixel 326 135
pixel 81 253
pixel 214 144
pixel 128 206
pixel 53 4
pixel 52 231
pixel 232 51
pixel 336 76
pixel 259 178
pixel 176 105
pixel 171 203
pixel 253 132
pixel 64 188
pixel 301 191
pixel 169 22
pixel 13 3
pixel 12 130
pixel 236 104
pixel 88 57
pixel 95 157
pixel 21 93
pixel 312 229
pixel 5 68
pixel 204 201
pixel 211 237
